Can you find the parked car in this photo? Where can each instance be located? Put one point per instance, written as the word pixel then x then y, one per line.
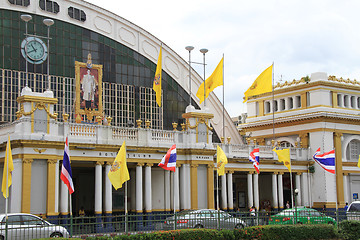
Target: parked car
pixel 28 226
pixel 303 216
pixel 353 211
pixel 203 218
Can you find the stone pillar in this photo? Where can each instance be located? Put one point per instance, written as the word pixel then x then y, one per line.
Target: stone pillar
pixel 223 193
pixel 256 191
pixel 210 186
pixel 298 186
pixel 338 170
pixel 346 188
pixel 305 190
pixel 148 197
pixel 194 186
pixel 167 188
pixel 184 187
pixel 98 188
pixel 26 186
pixel 281 190
pixel 108 190
pixel 275 202
pixel 139 188
pixel 230 190
pixel 51 188
pixel 250 189
pixel 176 188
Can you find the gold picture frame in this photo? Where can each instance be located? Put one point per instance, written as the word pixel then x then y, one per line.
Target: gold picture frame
pixel 88 90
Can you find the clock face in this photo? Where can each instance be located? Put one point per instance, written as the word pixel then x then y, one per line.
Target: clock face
pixel 34 50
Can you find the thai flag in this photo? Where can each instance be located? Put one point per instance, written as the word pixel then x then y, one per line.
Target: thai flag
pixel 254 158
pixel 326 160
pixel 168 162
pixel 66 175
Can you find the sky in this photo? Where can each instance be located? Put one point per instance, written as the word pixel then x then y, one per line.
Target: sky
pixel 299 36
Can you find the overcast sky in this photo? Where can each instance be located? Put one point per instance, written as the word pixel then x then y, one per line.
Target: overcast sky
pixel 299 36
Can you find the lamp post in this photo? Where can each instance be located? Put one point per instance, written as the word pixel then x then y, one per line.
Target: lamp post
pixel 26 18
pixel 189 48
pixel 203 51
pixel 48 23
pixel 296 192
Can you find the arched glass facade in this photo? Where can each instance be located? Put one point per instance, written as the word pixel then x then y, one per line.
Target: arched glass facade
pixel 123 68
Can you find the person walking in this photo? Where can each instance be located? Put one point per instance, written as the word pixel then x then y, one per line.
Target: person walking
pixel 252 215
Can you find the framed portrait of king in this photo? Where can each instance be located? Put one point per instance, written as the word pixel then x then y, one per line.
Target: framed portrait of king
pixel 88 89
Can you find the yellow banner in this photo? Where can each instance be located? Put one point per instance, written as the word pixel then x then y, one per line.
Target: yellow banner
pixel 9 166
pixel 221 160
pixel 262 84
pixel 119 172
pixel 157 79
pixel 284 157
pixel 212 82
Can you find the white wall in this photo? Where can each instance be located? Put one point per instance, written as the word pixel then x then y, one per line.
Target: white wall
pixel 38 186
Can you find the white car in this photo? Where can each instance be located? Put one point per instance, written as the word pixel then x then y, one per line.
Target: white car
pixel 353 211
pixel 28 226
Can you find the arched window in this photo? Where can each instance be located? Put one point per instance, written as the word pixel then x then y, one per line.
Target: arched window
pixel 353 150
pixel 285 144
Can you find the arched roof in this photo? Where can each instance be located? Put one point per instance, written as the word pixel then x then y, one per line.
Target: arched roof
pixel 127 33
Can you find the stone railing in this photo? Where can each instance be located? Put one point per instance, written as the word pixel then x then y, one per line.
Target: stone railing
pixel 112 135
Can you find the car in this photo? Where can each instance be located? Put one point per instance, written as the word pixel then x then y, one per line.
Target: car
pixel 29 226
pixel 303 216
pixel 203 218
pixel 353 211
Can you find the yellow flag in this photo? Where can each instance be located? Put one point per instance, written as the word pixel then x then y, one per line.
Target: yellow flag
pixel 212 82
pixel 157 79
pixel 221 160
pixel 119 172
pixel 262 84
pixel 284 157
pixel 9 166
pixel 359 162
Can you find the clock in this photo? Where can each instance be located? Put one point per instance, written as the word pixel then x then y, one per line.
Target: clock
pixel 34 50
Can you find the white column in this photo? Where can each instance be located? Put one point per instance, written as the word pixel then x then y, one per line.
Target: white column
pixel 281 190
pixel 183 187
pixel 275 191
pixel 230 191
pixel 15 191
pixel 188 188
pixel 148 197
pixel 305 190
pixel 57 192
pixel 223 192
pixel 132 189
pixel 250 189
pixel 256 191
pixel 108 190
pixel 139 188
pixel 298 186
pixel 64 199
pixel 167 190
pixel 176 189
pixel 98 188
pixel 346 189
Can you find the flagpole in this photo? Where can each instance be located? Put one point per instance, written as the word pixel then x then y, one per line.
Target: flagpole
pixel 173 191
pixel 336 201
pixel 71 216
pixel 7 188
pixel 126 210
pixel 273 104
pixel 223 101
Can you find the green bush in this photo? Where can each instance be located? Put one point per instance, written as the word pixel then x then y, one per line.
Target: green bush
pixel 279 232
pixel 287 232
pixel 350 229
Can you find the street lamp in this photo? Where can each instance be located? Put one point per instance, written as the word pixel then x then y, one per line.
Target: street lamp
pixel 296 192
pixel 203 51
pixel 26 18
pixel 189 48
pixel 48 23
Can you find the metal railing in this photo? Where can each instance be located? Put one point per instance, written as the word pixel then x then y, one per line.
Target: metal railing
pixel 149 222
